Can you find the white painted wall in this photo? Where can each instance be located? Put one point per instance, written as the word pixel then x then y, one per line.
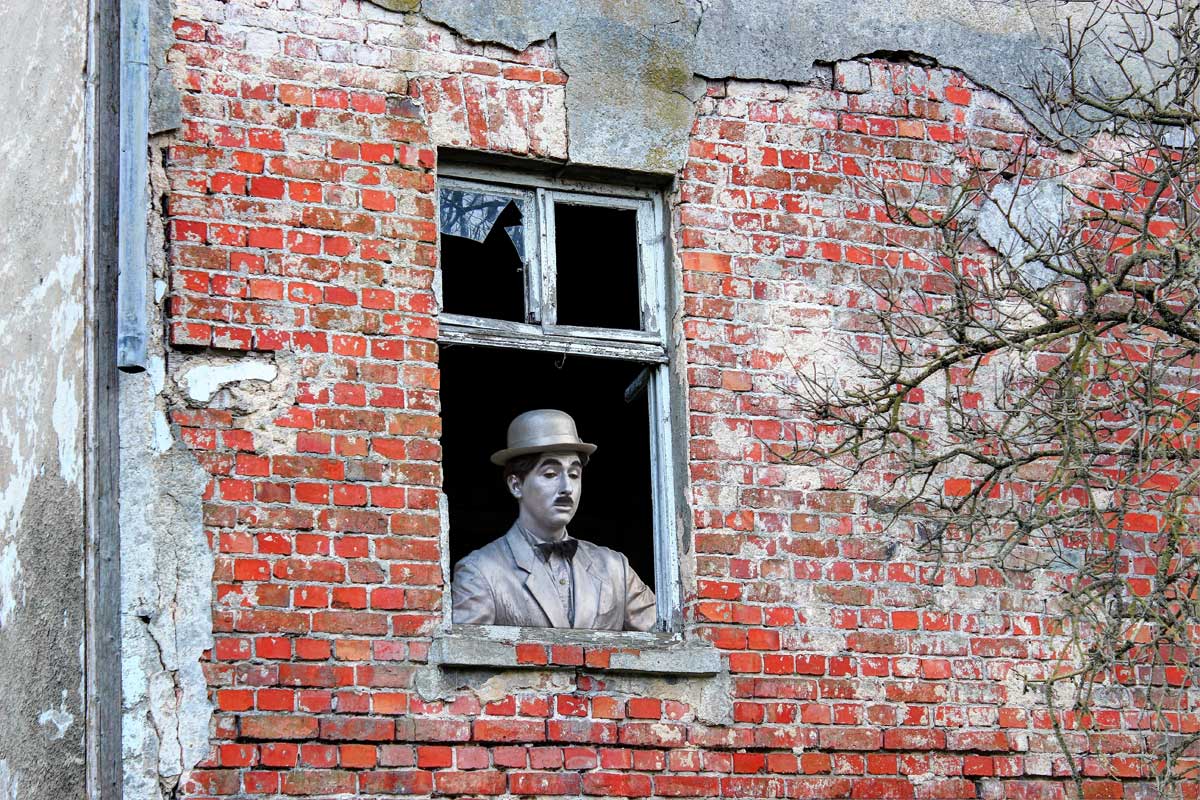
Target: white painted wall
pixel 44 198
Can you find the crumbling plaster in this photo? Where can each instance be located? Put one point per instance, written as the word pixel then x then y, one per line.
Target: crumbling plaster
pixel 43 378
pixel 166 112
pixel 166 569
pixel 166 576
pixel 635 66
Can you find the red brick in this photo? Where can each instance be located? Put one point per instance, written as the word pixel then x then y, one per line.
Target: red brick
pixel 644 708
pixel 470 783
pixel 509 730
pixel 274 727
pixel 543 783
pixel 396 782
pixel 616 784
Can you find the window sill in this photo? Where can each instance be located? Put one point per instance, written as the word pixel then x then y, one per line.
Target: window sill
pixel 475 646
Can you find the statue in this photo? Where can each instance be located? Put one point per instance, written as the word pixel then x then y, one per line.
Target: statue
pixel 537 575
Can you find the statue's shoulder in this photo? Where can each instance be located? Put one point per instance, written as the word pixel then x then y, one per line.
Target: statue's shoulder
pixel 488 555
pixel 598 552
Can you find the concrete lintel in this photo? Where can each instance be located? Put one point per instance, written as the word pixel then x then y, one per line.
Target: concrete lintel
pixel 634 68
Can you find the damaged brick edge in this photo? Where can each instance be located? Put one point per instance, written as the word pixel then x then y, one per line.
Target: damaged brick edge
pixel 611 651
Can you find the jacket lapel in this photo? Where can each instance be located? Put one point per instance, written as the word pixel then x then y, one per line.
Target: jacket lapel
pixel 585 573
pixel 537 579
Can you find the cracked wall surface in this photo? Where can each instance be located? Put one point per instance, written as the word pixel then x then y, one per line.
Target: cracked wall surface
pixel 166 572
pixel 43 197
pixel 633 66
pixel 304 379
pixel 166 595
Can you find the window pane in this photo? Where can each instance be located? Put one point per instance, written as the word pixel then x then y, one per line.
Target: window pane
pixel 483 254
pixel 615 508
pixel 597 255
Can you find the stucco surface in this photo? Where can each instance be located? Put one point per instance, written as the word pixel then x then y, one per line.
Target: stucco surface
pixel 999 45
pixel 43 202
pixel 632 86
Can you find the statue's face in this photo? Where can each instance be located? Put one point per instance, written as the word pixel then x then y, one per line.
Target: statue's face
pixel 549 494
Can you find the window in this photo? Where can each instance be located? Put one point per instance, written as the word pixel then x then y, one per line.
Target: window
pixel 552 296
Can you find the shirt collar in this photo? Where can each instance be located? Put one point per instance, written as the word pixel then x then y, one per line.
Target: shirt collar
pixel 535 541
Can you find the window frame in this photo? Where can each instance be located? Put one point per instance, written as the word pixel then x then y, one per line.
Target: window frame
pixel 650 346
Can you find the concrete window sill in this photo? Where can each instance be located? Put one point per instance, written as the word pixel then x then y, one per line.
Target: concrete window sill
pixel 475 646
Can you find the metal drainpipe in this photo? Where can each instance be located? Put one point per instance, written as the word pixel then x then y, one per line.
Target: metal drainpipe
pixel 132 300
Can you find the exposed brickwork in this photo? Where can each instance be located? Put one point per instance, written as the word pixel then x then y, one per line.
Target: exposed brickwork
pixel 301 222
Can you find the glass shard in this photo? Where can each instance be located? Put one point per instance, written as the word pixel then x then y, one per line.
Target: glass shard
pixel 474 216
pixel 483 254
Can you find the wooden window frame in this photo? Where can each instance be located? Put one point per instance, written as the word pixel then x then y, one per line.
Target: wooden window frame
pixel 541 332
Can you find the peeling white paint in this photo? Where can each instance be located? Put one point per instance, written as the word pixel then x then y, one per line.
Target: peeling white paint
pixel 24 384
pixel 162 432
pixel 65 418
pixel 201 381
pixel 157 372
pixel 58 718
pixel 156 368
pixel 46 169
pixel 12 592
pixel 10 783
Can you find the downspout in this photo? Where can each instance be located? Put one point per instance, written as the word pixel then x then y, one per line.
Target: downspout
pixel 132 333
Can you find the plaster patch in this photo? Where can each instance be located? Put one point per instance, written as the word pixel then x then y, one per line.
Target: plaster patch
pixel 731 439
pixel 1024 224
pixel 201 381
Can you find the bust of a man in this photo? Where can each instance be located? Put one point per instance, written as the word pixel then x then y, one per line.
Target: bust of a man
pixel 538 575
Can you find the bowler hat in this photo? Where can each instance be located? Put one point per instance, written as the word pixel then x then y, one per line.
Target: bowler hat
pixel 539 431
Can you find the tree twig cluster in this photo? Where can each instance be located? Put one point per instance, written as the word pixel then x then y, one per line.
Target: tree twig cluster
pixel 1026 390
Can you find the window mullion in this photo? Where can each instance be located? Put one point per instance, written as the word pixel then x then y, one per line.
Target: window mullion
pixel 535 248
pixel 547 288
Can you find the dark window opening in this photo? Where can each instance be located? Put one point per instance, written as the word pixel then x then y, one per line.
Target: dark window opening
pixel 596 250
pixel 482 255
pixel 484 388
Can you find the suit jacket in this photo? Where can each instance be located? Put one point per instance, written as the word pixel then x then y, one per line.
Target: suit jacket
pixel 506 582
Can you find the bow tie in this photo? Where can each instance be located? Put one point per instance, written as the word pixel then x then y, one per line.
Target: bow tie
pixel 565 548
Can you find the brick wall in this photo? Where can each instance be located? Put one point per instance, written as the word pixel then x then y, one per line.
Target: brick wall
pixel 302 225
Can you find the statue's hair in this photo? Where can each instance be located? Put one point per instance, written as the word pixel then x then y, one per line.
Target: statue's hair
pixel 521 466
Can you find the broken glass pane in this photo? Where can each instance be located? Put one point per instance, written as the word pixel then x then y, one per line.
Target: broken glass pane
pixel 483 254
pixel 474 216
